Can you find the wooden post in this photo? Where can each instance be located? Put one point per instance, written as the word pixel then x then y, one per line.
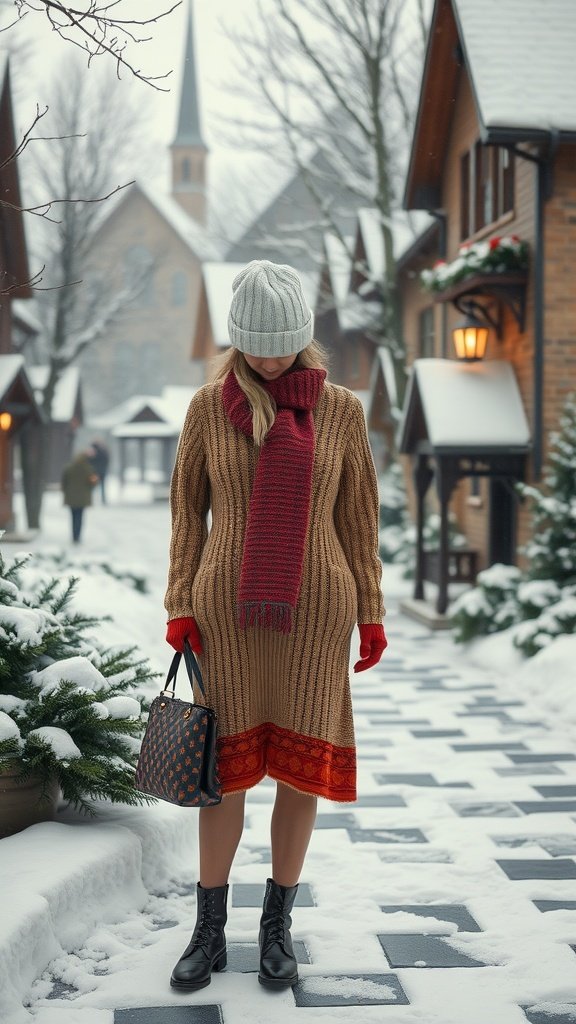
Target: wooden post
pixel 122 459
pixel 422 480
pixel 142 457
pixel 445 481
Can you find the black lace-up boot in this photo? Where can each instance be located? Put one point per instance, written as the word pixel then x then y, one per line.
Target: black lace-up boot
pixel 206 951
pixel 278 967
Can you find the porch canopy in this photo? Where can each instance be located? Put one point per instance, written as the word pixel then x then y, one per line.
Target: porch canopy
pixel 459 420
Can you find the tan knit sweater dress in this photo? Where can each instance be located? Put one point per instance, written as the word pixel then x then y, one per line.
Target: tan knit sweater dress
pixel 283 700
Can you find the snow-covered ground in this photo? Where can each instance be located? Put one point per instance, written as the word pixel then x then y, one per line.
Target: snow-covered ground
pixel 94 914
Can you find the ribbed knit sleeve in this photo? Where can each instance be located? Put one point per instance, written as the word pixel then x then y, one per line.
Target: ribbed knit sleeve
pixel 189 505
pixel 356 514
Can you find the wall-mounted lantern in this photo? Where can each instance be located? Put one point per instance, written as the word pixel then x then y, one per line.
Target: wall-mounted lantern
pixel 5 422
pixel 470 338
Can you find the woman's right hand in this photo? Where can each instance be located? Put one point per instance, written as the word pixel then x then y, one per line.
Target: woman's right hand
pixel 179 630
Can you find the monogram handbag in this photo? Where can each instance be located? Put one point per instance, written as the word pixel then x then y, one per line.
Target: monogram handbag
pixel 177 760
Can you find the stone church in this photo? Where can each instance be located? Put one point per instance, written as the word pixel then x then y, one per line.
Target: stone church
pixel 160 240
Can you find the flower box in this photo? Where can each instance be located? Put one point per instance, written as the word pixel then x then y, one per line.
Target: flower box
pixel 492 260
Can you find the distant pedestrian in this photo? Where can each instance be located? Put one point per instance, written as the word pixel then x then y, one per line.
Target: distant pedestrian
pixel 78 481
pixel 100 461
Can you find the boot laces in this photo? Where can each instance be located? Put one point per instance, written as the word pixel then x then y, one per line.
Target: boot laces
pixel 206 927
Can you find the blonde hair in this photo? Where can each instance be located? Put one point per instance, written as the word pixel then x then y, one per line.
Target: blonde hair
pixel 263 406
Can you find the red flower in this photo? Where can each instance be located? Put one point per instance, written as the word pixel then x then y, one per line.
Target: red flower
pixel 495 242
pixel 439 263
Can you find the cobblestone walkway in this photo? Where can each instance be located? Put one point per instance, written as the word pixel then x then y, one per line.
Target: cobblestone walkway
pixel 445 895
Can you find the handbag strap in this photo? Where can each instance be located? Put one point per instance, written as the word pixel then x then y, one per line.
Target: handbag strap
pixel 192 668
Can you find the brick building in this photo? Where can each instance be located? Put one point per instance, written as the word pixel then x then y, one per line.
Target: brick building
pixel 493 154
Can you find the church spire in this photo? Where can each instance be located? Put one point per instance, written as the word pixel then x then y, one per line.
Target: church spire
pixel 188 149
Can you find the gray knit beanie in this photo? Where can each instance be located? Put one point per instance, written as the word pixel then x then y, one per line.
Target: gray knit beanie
pixel 269 315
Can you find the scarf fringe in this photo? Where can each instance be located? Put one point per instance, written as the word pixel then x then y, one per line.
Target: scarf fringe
pixel 270 614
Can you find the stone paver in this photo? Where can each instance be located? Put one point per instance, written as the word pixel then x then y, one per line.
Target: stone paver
pixel 464 767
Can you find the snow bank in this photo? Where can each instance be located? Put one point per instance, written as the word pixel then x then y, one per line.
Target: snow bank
pixel 59 880
pixel 547 678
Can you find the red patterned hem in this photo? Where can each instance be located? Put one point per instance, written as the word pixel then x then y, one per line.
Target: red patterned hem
pixel 306 764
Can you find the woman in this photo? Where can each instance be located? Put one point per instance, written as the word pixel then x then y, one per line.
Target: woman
pixel 269 598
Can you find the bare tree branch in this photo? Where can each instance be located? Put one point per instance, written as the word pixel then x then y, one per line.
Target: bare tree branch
pixel 94 31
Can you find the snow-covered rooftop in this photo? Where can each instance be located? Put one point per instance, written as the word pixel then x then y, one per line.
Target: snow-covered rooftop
pixel 383 363
pixel 126 411
pixel 406 227
pixel 465 405
pixel 192 234
pixel 521 55
pixel 146 429
pixel 10 367
pixel 170 409
pixel 339 265
pixel 65 394
pixel 24 310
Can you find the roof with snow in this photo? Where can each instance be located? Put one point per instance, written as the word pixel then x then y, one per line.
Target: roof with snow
pixel 16 387
pixel 10 367
pixel 290 228
pixel 146 429
pixel 66 394
pixel 166 410
pixel 383 368
pixel 24 312
pixel 406 227
pixel 195 237
pixel 189 230
pixel 463 407
pixel 339 265
pixel 519 59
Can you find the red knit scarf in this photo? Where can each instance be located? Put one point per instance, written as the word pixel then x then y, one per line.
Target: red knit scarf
pixel 279 506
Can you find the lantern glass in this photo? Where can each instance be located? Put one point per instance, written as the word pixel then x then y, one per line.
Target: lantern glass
pixel 470 339
pixel 5 421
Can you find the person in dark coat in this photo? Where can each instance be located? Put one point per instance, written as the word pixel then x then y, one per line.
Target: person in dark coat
pixel 78 481
pixel 100 461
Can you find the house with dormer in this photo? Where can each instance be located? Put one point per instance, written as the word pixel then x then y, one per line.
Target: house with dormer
pixel 490 326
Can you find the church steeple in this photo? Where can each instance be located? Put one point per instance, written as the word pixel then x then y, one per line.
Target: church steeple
pixel 188 149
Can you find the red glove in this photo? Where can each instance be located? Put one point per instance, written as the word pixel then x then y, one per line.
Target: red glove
pixel 179 630
pixel 373 643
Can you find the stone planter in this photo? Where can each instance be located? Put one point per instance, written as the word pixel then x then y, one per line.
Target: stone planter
pixel 22 803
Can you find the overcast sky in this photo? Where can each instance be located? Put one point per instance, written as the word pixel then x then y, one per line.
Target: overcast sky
pixel 43 55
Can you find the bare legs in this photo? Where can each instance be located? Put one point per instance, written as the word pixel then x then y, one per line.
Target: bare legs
pixel 219 832
pixel 292 823
pixel 220 829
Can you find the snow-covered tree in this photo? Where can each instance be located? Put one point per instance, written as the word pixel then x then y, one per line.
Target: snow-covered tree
pixel 551 553
pixel 70 709
pixel 540 602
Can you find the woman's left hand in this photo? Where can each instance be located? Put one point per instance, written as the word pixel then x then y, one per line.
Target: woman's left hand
pixel 373 643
